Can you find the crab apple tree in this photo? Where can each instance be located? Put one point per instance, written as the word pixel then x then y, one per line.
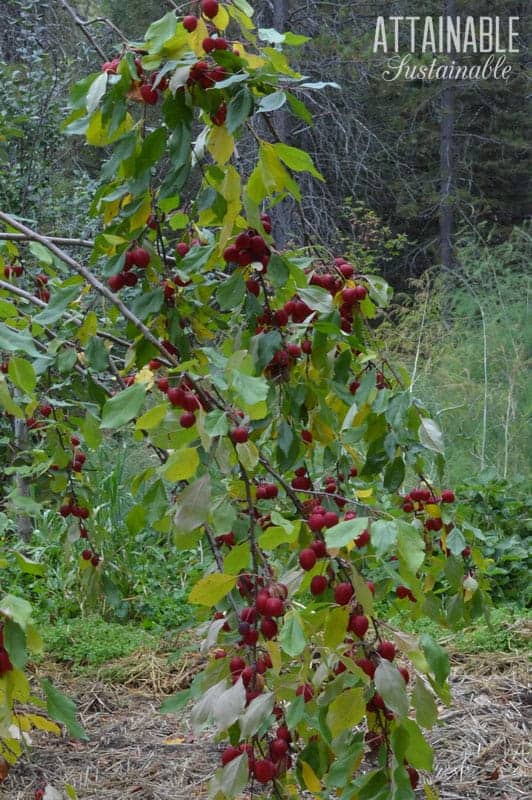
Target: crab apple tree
pixel 282 431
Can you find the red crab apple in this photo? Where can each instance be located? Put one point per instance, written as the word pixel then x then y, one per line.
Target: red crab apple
pixel 307 559
pixel 264 770
pixel 190 23
pixel 387 650
pixel 318 584
pixel 209 8
pixel 239 435
pixel 343 593
pixel 306 691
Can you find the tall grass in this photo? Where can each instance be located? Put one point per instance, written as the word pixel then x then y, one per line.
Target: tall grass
pixel 465 340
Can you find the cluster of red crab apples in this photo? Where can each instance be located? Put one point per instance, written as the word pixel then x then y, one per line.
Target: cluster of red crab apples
pixel 267 603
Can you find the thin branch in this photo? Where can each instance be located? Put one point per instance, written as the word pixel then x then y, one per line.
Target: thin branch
pixel 95 283
pixel 22 237
pixel 286 486
pixel 82 25
pixel 38 302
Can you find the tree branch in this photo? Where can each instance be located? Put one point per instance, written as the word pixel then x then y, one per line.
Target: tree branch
pixel 94 282
pixel 82 25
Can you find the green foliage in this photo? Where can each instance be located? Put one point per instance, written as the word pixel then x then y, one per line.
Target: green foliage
pixel 505 630
pixel 90 641
pixel 465 339
pixel 271 428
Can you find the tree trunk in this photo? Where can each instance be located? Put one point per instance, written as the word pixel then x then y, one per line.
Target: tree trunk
pixel 447 165
pixel 24 523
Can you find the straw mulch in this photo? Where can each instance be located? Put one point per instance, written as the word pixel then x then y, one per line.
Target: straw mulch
pixel 482 750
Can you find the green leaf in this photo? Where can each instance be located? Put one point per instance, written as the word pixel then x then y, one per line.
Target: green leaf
pixel 16 609
pixel 62 709
pixel 418 752
pixel 193 505
pixel 272 102
pixel 239 109
pixel 182 464
pixel 391 686
pixel 410 546
pixel 394 474
pixel 22 374
pixel 430 435
pixel 336 626
pixel 59 301
pixel 208 591
pixel 425 705
pixel 153 148
pixel 97 354
pixel 124 406
pixel 298 108
pixel 148 303
pixel 160 31
pixel 437 658
pixel 344 533
pixel 231 292
pixel 234 776
pixel 296 159
pixel 256 714
pixel 249 390
pixel 90 428
pixel 292 637
pixel 317 299
pixel 7 402
pixel 136 519
pixel 346 711
pixel 96 92
pixel 216 423
pixel 11 341
pixel 15 644
pixel 152 418
pixel 28 566
pixel 248 454
pixel 237 559
pixel 176 702
pixel 245 7
pixel 263 347
pixel 383 536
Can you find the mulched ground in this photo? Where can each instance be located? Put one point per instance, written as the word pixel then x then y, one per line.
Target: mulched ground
pixel 482 747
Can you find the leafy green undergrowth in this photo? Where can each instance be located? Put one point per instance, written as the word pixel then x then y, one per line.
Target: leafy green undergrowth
pixel 91 641
pixel 509 631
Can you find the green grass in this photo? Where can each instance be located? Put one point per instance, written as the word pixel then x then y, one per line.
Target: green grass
pixel 508 631
pixel 91 641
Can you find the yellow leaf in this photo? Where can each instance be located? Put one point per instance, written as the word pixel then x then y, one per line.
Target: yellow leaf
pixel 175 740
pixel 197 36
pixel 43 724
pixel 253 61
pixel 182 464
pixel 312 782
pixel 211 589
pixel 433 510
pixel 111 210
pixel 221 20
pixel 274 649
pixel 220 144
pixel 88 329
pixel 97 134
pixel 152 418
pixel 145 375
pixel 364 493
pixel 141 215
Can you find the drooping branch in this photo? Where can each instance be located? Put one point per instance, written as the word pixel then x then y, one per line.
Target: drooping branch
pixel 93 281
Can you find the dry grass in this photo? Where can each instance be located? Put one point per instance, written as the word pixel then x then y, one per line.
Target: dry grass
pixel 482 747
